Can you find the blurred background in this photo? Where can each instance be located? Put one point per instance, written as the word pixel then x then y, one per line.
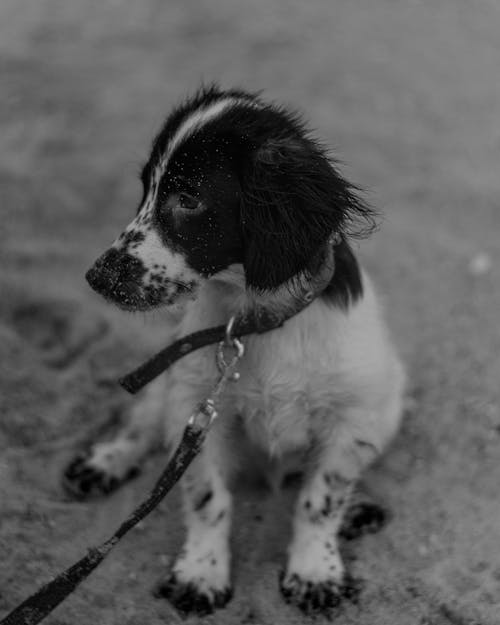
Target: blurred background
pixel 408 96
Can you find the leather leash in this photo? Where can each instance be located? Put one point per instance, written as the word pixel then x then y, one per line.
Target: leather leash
pixel 256 322
pixel 39 605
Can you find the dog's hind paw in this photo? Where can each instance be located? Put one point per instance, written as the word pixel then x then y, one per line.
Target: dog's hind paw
pixel 189 599
pixel 364 517
pixel 82 479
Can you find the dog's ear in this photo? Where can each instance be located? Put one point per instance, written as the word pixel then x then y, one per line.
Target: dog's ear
pixel 293 201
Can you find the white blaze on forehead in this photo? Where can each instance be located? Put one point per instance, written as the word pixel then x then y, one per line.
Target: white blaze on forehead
pixel 197 120
pixel 190 125
pixel 152 250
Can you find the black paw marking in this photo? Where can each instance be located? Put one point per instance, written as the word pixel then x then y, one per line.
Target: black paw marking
pixel 82 480
pixel 314 597
pixel 363 518
pixel 188 599
pixel 293 479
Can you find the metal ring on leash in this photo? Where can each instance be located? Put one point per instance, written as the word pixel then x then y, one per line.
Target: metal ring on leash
pixel 229 330
pixel 233 343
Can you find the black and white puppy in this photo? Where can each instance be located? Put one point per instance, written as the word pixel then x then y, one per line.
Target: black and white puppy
pixel 240 207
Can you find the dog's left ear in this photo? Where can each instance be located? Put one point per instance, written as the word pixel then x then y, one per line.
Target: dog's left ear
pixel 293 201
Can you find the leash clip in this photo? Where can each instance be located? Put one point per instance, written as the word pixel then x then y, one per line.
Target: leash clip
pixel 207 412
pixel 234 344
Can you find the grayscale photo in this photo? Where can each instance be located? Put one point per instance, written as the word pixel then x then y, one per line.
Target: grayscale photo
pixel 249 312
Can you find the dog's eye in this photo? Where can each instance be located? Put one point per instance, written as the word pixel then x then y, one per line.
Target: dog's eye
pixel 188 202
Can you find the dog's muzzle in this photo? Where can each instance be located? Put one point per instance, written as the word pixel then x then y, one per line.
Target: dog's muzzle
pixel 116 275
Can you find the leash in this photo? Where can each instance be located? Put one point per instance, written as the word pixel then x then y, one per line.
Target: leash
pixel 39 605
pixel 48 597
pixel 258 321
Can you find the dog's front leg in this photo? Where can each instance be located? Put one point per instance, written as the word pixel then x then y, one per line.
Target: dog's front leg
pixel 107 464
pixel 200 577
pixel 315 577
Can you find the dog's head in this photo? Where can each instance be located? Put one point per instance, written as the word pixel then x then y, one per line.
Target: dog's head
pixel 230 179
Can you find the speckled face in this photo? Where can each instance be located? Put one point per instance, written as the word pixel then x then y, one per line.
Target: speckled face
pixel 230 180
pixel 186 228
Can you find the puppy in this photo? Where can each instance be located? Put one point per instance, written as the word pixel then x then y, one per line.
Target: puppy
pixel 241 207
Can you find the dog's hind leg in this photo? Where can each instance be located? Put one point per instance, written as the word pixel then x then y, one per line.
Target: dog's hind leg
pixel 365 515
pixel 107 464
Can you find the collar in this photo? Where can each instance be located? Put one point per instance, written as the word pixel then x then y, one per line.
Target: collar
pixel 266 313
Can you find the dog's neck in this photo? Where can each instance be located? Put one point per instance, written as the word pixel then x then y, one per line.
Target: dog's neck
pixel 286 300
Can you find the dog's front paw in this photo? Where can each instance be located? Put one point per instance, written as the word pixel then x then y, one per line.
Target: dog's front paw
pixel 199 581
pixel 318 596
pixel 191 597
pixel 86 477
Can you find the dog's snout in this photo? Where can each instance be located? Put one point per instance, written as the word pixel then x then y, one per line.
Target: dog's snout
pixel 113 269
pixel 105 272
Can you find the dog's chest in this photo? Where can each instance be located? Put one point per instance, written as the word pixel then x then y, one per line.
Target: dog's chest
pixel 278 397
pixel 276 418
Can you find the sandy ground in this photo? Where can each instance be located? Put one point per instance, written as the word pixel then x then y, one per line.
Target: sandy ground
pixel 409 95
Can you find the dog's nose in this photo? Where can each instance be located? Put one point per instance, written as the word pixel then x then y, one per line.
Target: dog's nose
pixel 105 272
pixel 114 269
